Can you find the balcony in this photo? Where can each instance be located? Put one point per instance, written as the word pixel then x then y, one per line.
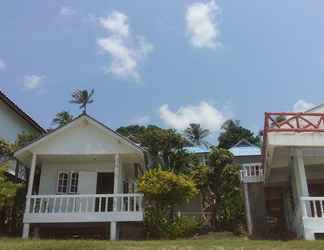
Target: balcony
pixel 252 173
pixel 84 208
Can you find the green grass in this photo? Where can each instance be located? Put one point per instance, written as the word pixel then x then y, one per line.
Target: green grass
pixel 212 242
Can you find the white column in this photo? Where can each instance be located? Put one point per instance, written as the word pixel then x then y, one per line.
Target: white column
pixel 248 208
pixel 26 227
pixel 113 230
pixel 113 224
pixel 302 179
pixel 302 187
pixel 116 174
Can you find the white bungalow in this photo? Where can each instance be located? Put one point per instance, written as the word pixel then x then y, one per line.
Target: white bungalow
pixel 82 175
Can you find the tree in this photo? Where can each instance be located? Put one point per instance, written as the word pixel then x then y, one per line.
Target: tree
pixel 62 118
pixel 196 134
pixel 233 133
pixel 163 190
pixel 164 145
pixel 219 186
pixel 83 98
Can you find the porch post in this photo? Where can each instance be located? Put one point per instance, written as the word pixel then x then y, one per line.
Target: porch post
pixel 26 227
pixel 113 224
pixel 302 189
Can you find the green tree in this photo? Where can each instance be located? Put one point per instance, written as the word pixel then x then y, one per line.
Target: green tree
pixel 163 190
pixel 62 118
pixel 234 132
pixel 83 98
pixel 164 145
pixel 219 186
pixel 196 134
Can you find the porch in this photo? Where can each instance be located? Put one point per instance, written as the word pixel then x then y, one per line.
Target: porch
pixel 293 159
pixel 64 189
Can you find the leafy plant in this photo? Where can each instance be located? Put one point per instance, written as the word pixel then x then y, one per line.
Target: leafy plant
pixel 83 98
pixel 163 190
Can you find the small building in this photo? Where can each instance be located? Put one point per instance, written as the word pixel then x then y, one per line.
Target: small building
pixel 85 182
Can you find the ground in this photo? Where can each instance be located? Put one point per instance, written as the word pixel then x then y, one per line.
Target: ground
pixel 213 242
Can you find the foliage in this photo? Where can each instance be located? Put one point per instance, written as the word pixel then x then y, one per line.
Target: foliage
pixel 219 186
pixel 6 148
pixel 165 146
pixel 25 138
pixel 11 203
pixel 163 190
pixel 83 98
pixel 62 118
pixel 196 134
pixel 234 132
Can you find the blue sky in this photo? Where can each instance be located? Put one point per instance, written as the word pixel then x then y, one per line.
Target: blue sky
pixel 163 62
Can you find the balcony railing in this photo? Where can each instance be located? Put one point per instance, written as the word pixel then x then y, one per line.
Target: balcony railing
pixel 79 208
pixel 294 122
pixel 313 207
pixel 252 173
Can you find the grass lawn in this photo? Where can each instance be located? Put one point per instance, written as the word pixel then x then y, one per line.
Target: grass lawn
pixel 213 242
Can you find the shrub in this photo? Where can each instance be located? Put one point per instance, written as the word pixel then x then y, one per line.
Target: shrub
pixel 163 190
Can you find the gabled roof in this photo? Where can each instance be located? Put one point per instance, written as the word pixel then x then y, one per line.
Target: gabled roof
pixel 21 113
pixel 197 150
pixel 245 148
pixel 317 109
pixel 62 128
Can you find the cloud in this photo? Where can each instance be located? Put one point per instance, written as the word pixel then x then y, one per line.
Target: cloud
pixel 302 105
pixel 142 120
pixel 125 49
pixel 67 11
pixel 33 82
pixel 2 64
pixel 203 25
pixel 205 114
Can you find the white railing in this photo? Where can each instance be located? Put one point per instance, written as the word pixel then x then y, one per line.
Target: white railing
pixel 252 172
pixel 83 204
pixel 313 207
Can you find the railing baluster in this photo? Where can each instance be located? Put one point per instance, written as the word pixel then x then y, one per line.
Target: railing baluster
pixel 315 208
pixel 321 208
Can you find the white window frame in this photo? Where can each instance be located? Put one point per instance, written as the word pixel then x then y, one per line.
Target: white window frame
pixel 70 182
pixel 58 182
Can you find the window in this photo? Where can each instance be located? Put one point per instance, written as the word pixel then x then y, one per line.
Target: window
pixel 67 182
pixel 74 179
pixel 62 182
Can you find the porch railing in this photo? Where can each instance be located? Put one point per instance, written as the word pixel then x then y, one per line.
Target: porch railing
pixel 313 207
pixel 84 203
pixel 252 172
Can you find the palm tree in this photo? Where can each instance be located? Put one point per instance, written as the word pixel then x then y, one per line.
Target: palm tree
pixel 196 134
pixel 83 98
pixel 62 118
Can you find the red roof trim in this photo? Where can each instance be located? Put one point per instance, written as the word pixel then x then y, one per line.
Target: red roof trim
pixel 21 113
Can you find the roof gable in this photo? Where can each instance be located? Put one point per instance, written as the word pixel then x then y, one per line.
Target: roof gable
pixel 245 148
pixel 83 135
pixel 21 113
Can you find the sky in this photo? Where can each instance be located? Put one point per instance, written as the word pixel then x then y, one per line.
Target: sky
pixel 168 63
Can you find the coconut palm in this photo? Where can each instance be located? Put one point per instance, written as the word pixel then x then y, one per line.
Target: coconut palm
pixel 196 134
pixel 62 118
pixel 83 98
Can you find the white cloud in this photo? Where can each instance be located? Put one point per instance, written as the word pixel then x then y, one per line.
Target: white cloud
pixel 302 105
pixel 142 120
pixel 205 114
pixel 125 49
pixel 33 82
pixel 67 11
pixel 2 64
pixel 203 25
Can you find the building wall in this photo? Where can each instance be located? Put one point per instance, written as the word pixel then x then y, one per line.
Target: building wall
pixel 87 169
pixel 12 124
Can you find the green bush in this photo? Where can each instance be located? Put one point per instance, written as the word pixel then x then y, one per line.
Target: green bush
pixel 163 191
